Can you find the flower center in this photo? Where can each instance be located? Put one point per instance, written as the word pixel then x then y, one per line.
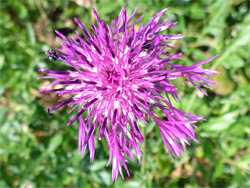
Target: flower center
pixel 113 77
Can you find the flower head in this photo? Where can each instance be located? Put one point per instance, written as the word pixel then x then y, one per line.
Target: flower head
pixel 120 72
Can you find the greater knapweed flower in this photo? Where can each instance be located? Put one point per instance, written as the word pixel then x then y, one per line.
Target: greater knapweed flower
pixel 118 73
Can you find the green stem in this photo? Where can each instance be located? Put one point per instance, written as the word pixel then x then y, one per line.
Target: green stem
pixel 143 163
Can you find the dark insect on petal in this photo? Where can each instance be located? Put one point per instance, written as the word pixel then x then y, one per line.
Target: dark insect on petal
pixel 53 52
pixel 49 112
pixel 52 58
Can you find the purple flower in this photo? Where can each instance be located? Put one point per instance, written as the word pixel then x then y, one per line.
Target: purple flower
pixel 118 73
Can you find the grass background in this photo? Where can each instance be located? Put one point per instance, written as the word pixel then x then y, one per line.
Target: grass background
pixel 41 151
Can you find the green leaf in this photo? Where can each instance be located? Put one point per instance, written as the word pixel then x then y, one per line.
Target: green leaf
pixel 197 12
pixel 3 115
pixel 218 13
pixel 54 143
pixel 32 36
pixel 219 124
pixel 20 9
pixel 134 183
pixel 245 160
pixel 227 85
pixel 150 127
pixel 242 39
pixel 208 150
pixel 98 165
pixel 233 61
pixel 218 169
pixel 239 128
pixel 238 176
pixel 2 60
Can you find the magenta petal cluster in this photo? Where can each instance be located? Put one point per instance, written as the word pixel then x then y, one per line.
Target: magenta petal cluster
pixel 117 75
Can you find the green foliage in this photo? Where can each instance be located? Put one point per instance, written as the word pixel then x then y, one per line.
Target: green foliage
pixel 41 151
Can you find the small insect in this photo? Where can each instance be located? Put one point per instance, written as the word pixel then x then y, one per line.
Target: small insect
pixel 53 55
pixel 49 112
pixel 53 52
pixel 52 58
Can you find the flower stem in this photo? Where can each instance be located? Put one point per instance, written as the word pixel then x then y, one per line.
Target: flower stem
pixel 144 150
